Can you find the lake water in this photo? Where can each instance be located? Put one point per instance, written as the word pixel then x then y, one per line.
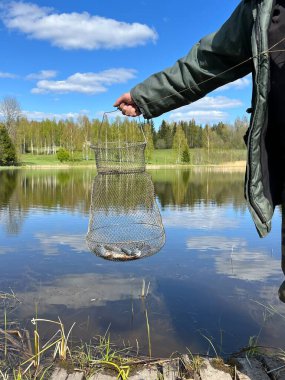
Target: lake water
pixel 213 277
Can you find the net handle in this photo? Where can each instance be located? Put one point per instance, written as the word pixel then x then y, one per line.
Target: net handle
pixel 105 118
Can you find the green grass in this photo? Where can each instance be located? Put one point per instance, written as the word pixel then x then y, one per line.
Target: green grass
pixel 198 156
pixel 163 157
pixel 43 159
pixel 159 157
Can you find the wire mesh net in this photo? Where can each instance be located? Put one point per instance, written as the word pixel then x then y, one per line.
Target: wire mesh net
pixel 125 222
pixel 120 147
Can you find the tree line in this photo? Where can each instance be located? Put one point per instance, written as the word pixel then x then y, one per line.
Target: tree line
pixel 70 138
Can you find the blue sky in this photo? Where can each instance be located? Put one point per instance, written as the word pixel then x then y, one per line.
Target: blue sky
pixel 65 58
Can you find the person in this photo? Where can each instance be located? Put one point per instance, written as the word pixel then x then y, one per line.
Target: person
pixel 250 41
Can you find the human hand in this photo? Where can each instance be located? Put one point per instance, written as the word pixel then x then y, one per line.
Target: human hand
pixel 126 105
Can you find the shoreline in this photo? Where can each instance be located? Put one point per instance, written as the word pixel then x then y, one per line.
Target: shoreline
pixel 226 166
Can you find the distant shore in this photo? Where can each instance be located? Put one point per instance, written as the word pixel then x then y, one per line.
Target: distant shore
pixel 226 166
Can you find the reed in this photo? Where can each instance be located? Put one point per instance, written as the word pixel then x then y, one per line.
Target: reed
pixel 5 329
pixel 148 333
pixel 59 341
pixel 195 361
pixel 145 289
pixel 4 375
pixel 212 345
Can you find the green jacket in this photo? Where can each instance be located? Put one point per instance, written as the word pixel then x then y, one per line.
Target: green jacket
pixel 243 36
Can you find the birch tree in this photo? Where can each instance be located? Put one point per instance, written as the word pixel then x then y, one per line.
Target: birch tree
pixel 10 111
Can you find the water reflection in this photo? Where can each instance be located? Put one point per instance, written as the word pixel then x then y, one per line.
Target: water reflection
pixel 22 191
pixel 50 244
pixel 208 277
pixel 235 259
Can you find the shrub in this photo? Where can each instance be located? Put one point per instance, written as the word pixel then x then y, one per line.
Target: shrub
pixel 63 155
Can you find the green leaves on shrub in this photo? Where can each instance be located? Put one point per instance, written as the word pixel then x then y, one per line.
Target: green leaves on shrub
pixel 63 155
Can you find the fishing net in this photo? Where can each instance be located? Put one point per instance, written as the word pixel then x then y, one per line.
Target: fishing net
pixel 120 147
pixel 125 222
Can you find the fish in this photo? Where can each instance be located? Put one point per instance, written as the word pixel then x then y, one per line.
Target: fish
pixel 127 251
pixel 100 250
pixel 137 252
pixel 114 253
pixel 112 248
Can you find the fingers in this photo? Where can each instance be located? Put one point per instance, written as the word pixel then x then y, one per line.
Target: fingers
pixel 129 110
pixel 125 98
pixel 119 101
pixel 127 106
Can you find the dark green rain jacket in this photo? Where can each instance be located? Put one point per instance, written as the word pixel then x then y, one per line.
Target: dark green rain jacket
pixel 243 36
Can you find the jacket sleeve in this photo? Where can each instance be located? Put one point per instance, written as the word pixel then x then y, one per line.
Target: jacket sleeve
pixel 189 79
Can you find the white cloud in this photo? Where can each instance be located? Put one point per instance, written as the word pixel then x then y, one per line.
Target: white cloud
pixel 43 74
pixel 5 250
pixel 206 110
pixel 201 217
pixel 234 259
pixel 80 291
pixel 215 243
pixel 199 116
pixel 7 75
pixel 51 243
pixel 74 30
pixel 239 84
pixel 38 115
pixel 247 265
pixel 85 83
pixel 220 102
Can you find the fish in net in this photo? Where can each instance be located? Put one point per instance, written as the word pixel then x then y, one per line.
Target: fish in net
pixel 125 222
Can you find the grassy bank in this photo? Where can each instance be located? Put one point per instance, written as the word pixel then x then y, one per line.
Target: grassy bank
pixel 34 353
pixel 160 157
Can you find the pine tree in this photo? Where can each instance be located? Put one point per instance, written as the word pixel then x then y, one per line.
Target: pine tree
pixel 179 142
pixel 186 155
pixel 8 155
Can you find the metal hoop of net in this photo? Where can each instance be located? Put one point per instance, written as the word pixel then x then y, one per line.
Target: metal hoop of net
pixel 120 147
pixel 125 222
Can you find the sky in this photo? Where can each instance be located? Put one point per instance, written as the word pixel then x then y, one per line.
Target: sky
pixel 68 58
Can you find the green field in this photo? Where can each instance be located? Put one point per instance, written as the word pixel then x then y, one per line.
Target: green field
pixel 44 159
pixel 159 157
pixel 198 156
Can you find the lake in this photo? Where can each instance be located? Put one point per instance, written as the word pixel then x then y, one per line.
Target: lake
pixel 214 277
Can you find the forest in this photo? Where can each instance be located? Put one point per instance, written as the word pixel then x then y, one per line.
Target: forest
pixel 72 139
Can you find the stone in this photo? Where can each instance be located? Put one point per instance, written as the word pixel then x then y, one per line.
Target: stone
pixel 275 367
pixel 170 369
pixel 252 368
pixel 102 376
pixel 145 374
pixel 241 376
pixel 76 376
pixel 207 371
pixel 59 374
pixel 149 373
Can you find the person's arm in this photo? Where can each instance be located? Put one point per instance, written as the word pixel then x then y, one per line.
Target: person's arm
pixel 182 84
